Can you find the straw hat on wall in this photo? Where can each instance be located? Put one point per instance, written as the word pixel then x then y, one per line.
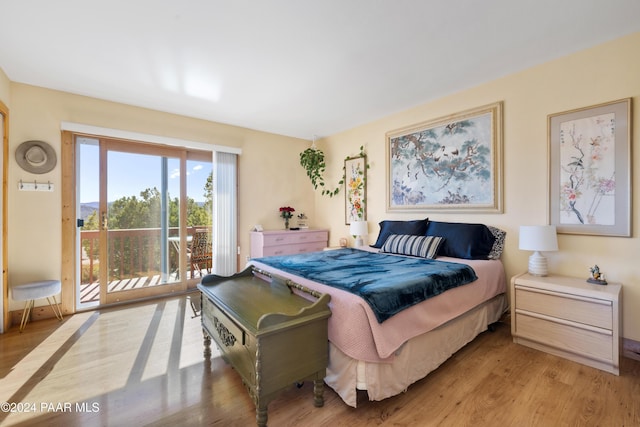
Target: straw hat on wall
pixel 36 157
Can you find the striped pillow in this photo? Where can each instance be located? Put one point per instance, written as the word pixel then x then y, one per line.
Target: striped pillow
pixel 420 246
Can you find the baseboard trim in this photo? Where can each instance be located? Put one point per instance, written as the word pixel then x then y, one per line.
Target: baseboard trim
pixel 631 349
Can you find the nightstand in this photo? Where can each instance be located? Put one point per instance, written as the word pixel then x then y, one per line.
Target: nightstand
pixel 568 317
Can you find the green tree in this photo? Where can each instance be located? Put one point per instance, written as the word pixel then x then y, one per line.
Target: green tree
pixel 144 211
pixel 208 194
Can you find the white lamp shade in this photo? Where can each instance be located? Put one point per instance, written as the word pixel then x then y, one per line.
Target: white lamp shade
pixel 538 238
pixel 541 238
pixel 358 228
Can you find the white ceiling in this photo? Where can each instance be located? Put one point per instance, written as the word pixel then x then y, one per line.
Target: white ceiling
pixel 292 67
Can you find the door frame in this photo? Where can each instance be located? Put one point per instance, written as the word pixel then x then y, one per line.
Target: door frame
pixel 5 321
pixel 70 248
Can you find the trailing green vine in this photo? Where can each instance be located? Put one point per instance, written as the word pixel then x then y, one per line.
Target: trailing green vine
pixel 312 160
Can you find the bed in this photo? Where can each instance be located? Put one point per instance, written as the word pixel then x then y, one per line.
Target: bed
pixel 385 353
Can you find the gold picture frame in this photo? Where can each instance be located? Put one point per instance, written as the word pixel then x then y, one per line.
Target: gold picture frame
pixel 451 164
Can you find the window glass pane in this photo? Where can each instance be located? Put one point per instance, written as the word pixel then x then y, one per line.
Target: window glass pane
pixel 199 213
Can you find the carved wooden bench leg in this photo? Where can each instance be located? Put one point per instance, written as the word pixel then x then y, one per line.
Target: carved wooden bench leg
pixel 207 345
pixel 261 415
pixel 318 391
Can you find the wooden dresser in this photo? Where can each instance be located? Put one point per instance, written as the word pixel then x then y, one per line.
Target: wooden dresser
pixel 286 242
pixel 272 336
pixel 568 317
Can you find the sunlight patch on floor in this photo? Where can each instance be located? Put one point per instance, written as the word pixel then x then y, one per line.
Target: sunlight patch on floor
pixel 34 361
pixel 105 353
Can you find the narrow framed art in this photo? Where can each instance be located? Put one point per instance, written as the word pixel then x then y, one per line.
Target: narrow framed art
pixel 451 164
pixel 355 183
pixel 590 170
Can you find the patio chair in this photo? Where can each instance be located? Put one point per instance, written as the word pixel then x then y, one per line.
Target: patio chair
pixel 200 254
pixel 195 300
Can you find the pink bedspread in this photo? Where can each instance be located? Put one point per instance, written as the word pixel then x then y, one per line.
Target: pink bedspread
pixel 353 327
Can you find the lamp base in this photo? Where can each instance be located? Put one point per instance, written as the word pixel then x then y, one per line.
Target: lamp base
pixel 359 242
pixel 538 265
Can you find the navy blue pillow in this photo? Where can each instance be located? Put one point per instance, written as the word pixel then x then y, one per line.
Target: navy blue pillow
pixel 415 227
pixel 463 240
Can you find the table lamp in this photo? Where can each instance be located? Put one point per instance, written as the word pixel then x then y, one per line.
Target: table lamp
pixel 538 238
pixel 357 230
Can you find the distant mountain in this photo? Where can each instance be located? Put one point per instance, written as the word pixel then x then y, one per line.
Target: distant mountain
pixel 87 209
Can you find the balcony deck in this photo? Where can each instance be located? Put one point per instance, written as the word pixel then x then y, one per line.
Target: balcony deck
pixel 90 292
pixel 138 247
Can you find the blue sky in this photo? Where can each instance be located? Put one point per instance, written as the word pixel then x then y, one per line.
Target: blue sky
pixel 129 174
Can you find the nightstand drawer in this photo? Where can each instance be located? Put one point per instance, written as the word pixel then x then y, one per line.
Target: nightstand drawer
pixel 589 311
pixel 584 342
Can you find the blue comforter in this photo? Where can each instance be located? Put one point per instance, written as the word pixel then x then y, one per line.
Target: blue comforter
pixel 388 283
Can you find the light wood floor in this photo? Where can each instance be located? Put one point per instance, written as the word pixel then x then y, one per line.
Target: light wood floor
pixel 142 365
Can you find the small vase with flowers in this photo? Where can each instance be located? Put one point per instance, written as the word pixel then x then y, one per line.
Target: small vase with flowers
pixel 286 212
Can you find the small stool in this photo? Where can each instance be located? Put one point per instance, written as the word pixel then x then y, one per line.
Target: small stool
pixel 30 292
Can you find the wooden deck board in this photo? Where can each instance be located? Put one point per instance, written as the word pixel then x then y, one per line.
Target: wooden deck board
pixel 90 292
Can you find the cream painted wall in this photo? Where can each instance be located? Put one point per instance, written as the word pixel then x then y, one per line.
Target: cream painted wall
pixel 5 88
pixel 34 218
pixel 603 73
pixel 269 175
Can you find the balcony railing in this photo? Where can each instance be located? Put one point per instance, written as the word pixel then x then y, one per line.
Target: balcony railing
pixel 133 260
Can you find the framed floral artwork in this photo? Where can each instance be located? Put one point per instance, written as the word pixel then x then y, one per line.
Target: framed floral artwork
pixel 355 181
pixel 453 163
pixel 590 170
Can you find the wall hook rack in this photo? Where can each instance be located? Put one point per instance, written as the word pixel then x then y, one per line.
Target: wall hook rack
pixel 35 186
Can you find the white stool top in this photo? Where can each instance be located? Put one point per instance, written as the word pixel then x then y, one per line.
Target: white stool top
pixel 36 290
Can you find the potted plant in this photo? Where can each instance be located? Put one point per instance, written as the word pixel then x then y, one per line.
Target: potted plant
pixel 312 160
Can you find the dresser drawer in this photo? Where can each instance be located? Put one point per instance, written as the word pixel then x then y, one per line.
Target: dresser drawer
pixel 294 237
pixel 294 249
pixel 588 311
pixel 584 342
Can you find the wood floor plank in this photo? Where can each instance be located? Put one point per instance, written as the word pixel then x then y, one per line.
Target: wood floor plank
pixel 142 364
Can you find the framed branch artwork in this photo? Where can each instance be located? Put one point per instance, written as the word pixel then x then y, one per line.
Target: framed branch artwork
pixel 451 164
pixel 590 169
pixel 355 181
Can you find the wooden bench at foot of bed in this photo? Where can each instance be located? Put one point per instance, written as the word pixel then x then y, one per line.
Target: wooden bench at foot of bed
pixel 272 337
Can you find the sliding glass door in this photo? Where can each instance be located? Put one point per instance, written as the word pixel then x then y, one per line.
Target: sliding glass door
pixel 137 235
pixel 134 221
